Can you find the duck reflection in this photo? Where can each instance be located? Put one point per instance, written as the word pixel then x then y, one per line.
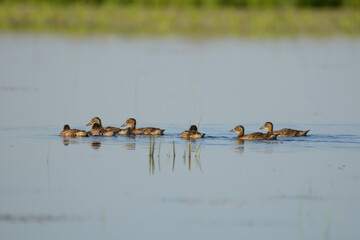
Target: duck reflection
pixel 239 148
pixel 67 141
pixel 130 146
pixel 259 145
pixel 95 145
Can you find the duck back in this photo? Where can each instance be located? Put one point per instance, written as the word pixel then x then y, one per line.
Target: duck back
pixel 148 131
pixel 72 133
pixel 288 132
pixel 259 136
pixel 187 134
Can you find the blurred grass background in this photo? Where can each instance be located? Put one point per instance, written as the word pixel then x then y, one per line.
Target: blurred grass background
pixel 183 17
pixel 207 3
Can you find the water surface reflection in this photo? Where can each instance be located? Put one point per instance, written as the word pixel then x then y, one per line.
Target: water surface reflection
pixel 95 145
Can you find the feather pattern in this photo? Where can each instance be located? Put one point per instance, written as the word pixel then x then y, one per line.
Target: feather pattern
pixel 285 132
pixel 131 122
pixel 253 136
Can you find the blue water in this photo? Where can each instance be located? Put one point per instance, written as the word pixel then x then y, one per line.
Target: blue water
pixel 213 188
pixel 110 187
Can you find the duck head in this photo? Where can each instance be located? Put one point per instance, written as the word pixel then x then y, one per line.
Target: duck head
pixel 94 120
pixel 268 126
pixel 238 129
pixel 131 122
pixel 193 129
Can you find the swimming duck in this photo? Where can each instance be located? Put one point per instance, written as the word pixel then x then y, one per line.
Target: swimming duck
pixel 97 130
pixel 192 133
pixel 72 133
pixel 253 136
pixel 285 132
pixel 112 129
pixel 131 122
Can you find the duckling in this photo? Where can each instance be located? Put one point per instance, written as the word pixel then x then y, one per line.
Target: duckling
pixel 117 130
pixel 72 133
pixel 192 133
pixel 97 130
pixel 285 132
pixel 253 136
pixel 131 122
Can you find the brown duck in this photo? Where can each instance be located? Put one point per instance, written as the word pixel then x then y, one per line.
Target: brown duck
pixel 131 122
pixel 97 130
pixel 72 133
pixel 253 136
pixel 192 133
pixel 285 132
pixel 112 129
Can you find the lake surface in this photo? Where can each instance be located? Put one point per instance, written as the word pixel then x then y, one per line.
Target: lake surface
pixel 213 188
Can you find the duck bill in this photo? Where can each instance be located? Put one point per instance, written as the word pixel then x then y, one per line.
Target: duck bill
pixel 123 125
pixel 232 130
pixel 262 127
pixel 88 124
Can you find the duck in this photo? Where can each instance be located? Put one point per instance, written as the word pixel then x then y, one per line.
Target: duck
pixel 97 130
pixel 72 133
pixel 253 136
pixel 192 133
pixel 285 132
pixel 113 129
pixel 131 122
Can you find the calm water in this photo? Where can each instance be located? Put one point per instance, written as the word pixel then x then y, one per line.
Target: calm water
pixel 218 187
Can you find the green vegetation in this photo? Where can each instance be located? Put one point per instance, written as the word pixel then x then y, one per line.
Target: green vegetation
pixel 207 3
pixel 135 19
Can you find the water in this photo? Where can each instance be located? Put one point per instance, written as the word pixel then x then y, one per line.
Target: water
pixel 178 81
pixel 291 188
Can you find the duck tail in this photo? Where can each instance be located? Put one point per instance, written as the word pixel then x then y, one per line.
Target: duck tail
pixel 303 133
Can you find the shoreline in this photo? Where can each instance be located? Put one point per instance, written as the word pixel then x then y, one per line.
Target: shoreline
pixel 80 19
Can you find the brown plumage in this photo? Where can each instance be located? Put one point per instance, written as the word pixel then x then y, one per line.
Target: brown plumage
pixel 192 133
pixel 253 136
pixel 72 133
pixel 97 130
pixel 109 129
pixel 131 122
pixel 285 132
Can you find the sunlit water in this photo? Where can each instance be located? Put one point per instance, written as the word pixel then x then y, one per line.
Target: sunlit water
pixel 212 188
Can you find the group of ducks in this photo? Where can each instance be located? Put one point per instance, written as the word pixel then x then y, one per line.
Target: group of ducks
pixel 270 135
pixel 98 130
